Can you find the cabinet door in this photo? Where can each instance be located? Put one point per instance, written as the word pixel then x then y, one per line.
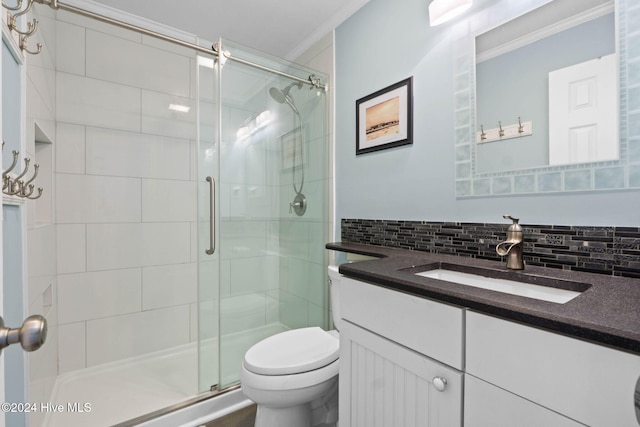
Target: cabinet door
pixel 384 384
pixel 592 384
pixel 487 405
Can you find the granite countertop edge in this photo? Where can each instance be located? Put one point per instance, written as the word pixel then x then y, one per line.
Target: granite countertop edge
pixel 607 313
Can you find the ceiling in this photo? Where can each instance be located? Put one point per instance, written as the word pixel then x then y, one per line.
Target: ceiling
pixel 284 28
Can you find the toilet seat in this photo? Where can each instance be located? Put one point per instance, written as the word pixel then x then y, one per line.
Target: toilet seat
pixel 293 352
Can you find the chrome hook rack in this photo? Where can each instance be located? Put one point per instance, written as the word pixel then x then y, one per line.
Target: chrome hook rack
pixel 12 23
pixel 16 7
pixel 15 185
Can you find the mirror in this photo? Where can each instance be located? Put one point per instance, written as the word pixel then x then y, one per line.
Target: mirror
pixel 556 68
pixel 513 50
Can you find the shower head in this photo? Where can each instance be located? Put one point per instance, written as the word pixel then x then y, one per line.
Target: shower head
pixel 282 95
pixel 278 95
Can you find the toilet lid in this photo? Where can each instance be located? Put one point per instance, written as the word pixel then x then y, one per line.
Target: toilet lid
pixel 292 352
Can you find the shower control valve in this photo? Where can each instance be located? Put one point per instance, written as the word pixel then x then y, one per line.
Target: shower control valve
pixel 299 204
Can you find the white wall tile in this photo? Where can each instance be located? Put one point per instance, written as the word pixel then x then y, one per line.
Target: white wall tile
pixel 114 338
pixel 125 62
pixel 242 312
pixel 112 152
pixel 167 201
pixel 208 121
pixel 94 24
pixel 242 239
pixel 195 244
pixel 69 148
pixel 115 246
pixel 169 285
pixel 70 48
pixel 166 243
pixel 250 275
pixel 157 119
pixel 71 248
pixel 170 47
pixel 208 319
pixel 208 277
pixel 293 310
pixel 84 296
pixel 71 347
pixel 272 307
pixel 93 102
pixel 41 97
pixel 205 86
pixel 193 316
pixel 40 243
pixel 86 198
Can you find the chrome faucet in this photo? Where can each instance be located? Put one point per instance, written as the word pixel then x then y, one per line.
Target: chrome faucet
pixel 512 247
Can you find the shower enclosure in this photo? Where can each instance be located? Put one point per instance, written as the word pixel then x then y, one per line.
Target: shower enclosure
pixel 269 261
pixel 176 232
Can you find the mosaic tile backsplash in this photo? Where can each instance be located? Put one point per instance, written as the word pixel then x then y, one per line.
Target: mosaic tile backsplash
pixel 603 250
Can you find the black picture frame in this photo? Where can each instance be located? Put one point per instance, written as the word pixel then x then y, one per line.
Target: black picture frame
pixel 384 119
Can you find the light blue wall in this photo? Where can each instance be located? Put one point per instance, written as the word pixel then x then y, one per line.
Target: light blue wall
pixel 385 42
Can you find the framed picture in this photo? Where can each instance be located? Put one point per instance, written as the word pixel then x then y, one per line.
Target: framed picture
pixel 384 119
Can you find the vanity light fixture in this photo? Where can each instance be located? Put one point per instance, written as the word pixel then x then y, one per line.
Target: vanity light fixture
pixel 441 11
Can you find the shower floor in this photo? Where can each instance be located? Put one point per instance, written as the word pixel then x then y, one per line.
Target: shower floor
pixel 127 389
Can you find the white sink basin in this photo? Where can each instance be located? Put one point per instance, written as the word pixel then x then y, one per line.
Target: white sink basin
pixel 544 293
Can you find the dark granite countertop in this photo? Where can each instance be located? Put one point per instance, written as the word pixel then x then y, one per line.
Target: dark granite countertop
pixel 607 312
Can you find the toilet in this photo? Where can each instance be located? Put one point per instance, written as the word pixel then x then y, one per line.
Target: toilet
pixel 293 376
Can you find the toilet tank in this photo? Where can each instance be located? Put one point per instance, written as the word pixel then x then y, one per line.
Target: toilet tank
pixel 334 292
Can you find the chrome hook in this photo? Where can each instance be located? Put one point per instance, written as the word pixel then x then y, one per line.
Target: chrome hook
pixel 38 196
pixel 13 18
pixel 24 193
pixel 36 167
pixel 26 168
pixel 17 7
pixel 14 187
pixel 520 126
pixel 483 134
pixel 31 27
pixel 501 131
pixel 25 48
pixel 13 165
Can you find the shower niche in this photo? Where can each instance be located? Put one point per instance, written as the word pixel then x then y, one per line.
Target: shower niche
pixel 43 148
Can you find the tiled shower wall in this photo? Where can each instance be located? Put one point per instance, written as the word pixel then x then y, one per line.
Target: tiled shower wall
pixel 603 250
pixel 125 194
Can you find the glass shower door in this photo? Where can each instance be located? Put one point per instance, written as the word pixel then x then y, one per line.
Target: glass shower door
pixel 268 271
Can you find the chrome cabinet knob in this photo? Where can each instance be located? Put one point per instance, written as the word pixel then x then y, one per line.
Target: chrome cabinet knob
pixel 440 383
pixel 31 335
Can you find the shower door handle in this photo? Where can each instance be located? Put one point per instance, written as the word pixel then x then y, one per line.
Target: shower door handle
pixel 212 215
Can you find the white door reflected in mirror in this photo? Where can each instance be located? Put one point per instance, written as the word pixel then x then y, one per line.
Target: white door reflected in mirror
pixel 583 107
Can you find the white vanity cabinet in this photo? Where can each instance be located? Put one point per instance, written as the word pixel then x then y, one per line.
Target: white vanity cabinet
pixel 400 359
pixel 516 372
